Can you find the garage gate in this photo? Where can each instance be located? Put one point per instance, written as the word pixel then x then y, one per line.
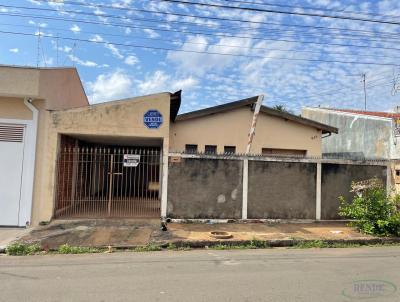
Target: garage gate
pixel 99 182
pixel 12 138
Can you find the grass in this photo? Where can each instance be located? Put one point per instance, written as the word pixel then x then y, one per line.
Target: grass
pixel 22 249
pixel 67 249
pixel 151 247
pixel 174 247
pixel 253 244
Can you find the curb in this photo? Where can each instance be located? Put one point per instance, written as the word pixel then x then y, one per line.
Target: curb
pixel 271 243
pixel 279 242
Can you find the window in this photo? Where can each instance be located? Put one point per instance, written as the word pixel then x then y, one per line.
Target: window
pixel 229 149
pixel 210 149
pixel 283 152
pixel 397 178
pixel 190 148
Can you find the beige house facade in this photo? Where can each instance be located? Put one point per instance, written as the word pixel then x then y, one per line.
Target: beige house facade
pixel 27 96
pixel 225 129
pixel 61 157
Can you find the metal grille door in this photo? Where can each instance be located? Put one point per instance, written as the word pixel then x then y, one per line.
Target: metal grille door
pixel 108 182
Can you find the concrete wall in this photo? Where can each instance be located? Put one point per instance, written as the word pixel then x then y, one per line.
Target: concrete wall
pixel 281 190
pixel 231 129
pixel 62 88
pixel 336 181
pixel 120 119
pixel 205 188
pixel 14 108
pixel 358 134
pixel 16 82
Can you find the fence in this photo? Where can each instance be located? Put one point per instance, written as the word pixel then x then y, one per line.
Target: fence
pixel 108 182
pixel 255 187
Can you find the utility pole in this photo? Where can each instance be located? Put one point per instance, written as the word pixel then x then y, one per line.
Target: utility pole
pixel 365 91
pixel 254 122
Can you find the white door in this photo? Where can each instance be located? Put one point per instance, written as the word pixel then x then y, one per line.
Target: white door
pixel 11 159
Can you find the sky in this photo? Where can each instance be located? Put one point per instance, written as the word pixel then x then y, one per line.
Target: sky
pixel 127 48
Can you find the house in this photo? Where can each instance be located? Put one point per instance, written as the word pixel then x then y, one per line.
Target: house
pixel 64 158
pixel 225 129
pixel 27 96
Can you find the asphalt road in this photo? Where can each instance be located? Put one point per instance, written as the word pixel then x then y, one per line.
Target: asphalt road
pixel 206 275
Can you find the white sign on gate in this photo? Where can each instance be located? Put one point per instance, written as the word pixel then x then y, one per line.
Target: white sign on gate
pixel 131 160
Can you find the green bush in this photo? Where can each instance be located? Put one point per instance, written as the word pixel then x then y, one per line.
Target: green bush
pixel 373 211
pixel 22 249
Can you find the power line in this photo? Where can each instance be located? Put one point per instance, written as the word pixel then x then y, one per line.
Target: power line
pixel 203 52
pixel 307 8
pixel 346 35
pixel 199 43
pixel 284 12
pixel 41 17
pixel 130 9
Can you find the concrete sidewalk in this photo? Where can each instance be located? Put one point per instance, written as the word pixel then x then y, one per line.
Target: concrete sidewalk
pixel 136 232
pixel 8 235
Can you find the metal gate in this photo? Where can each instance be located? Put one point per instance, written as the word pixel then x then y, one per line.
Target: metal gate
pixel 97 182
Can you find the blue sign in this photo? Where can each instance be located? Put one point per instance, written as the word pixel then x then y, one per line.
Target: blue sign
pixel 153 119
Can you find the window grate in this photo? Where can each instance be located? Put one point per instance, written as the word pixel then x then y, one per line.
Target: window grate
pixel 12 133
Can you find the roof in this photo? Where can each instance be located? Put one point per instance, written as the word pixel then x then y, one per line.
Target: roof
pixel 37 68
pixel 264 109
pixel 368 113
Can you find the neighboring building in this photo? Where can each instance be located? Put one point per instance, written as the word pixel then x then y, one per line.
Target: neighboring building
pixel 63 158
pixel 363 134
pixel 225 129
pixel 27 95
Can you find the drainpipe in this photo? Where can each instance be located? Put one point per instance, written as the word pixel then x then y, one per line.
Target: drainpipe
pixel 29 169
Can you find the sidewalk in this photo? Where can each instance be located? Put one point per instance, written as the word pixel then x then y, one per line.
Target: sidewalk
pixel 8 235
pixel 127 233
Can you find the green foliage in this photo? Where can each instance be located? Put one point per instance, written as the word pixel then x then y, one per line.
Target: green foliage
pixel 306 244
pixel 373 211
pixel 67 249
pixel 173 247
pixel 151 247
pixel 254 244
pixel 22 249
pixel 281 108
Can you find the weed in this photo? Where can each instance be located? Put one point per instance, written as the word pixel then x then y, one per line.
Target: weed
pixel 22 249
pixel 67 249
pixel 151 247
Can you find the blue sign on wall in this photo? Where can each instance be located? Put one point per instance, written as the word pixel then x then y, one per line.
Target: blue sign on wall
pixel 153 119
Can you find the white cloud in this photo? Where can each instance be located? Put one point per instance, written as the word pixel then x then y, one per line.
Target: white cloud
pixel 75 28
pixel 110 86
pixel 82 62
pixel 97 38
pixel 114 50
pixel 131 60
pixel 151 33
pixel 159 81
pixel 14 50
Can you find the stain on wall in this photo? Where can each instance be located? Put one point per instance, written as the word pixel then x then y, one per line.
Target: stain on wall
pixel 281 190
pixel 205 188
pixel 336 181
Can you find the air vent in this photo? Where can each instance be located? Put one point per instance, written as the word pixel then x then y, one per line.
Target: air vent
pixel 12 133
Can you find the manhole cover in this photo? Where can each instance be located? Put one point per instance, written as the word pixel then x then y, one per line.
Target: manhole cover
pixel 220 235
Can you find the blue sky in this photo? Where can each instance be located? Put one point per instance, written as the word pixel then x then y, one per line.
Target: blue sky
pixel 259 63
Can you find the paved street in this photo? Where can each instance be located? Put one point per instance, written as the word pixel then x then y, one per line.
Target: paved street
pixel 205 275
